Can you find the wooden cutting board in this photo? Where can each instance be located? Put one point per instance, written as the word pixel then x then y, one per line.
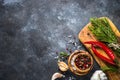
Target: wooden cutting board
pixel 86 35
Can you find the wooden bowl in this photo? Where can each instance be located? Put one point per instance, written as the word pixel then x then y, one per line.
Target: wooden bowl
pixel 73 67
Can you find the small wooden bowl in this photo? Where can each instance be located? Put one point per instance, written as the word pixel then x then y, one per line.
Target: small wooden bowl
pixel 72 65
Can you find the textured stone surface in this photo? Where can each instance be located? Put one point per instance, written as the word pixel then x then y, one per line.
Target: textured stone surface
pixel 31 31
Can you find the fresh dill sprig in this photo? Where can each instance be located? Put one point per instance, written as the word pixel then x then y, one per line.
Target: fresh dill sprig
pixel 102 30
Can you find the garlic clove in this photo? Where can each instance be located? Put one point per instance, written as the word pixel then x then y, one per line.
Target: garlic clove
pixel 62 66
pixel 57 75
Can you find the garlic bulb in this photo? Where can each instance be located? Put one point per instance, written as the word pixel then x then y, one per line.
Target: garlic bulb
pixel 57 75
pixel 99 75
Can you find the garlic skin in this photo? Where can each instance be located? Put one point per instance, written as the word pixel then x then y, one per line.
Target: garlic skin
pixel 62 66
pixel 99 75
pixel 57 75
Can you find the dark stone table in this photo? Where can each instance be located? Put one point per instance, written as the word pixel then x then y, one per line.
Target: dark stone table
pixel 32 31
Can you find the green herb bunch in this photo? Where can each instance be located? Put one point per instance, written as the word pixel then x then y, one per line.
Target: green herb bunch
pixel 102 30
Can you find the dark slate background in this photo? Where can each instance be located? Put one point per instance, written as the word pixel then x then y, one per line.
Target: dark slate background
pixel 32 31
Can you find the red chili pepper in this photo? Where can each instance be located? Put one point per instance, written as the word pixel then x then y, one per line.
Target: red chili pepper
pixel 102 57
pixel 108 51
